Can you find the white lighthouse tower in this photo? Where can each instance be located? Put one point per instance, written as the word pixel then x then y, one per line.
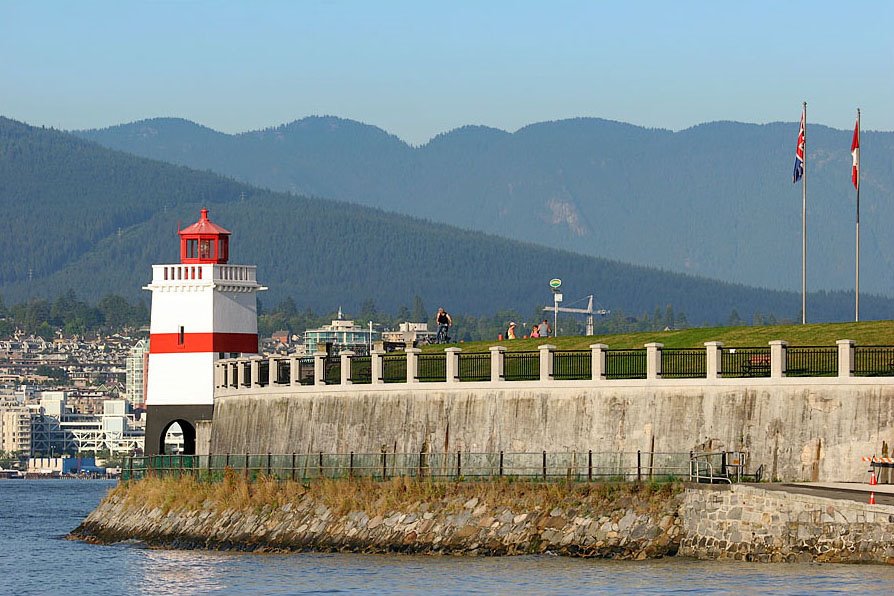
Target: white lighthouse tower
pixel 203 309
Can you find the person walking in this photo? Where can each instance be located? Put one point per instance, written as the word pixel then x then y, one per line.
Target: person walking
pixel 544 330
pixel 535 331
pixel 444 322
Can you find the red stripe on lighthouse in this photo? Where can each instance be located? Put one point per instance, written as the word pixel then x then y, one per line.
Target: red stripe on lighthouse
pixel 170 343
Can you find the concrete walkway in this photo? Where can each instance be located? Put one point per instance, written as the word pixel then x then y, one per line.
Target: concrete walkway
pixel 851 491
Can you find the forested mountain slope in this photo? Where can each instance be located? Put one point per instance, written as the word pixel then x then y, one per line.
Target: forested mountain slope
pixel 88 218
pixel 713 200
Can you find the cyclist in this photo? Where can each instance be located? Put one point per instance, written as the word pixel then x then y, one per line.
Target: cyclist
pixel 444 322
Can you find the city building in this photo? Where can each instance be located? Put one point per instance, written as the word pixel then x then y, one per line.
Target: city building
pixel 136 367
pixel 340 335
pixel 15 429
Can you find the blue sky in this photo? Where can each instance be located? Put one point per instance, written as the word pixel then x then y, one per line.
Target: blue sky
pixel 417 69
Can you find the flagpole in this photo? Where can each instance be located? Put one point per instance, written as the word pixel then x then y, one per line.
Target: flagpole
pixel 857 286
pixel 804 228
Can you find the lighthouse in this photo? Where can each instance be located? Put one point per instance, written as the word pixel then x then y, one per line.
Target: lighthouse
pixel 203 309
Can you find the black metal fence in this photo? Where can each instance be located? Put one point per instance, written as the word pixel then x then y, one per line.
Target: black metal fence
pixel 873 361
pixel 811 361
pixel 394 368
pixel 521 366
pixel 431 368
pixel 745 362
pixel 683 364
pixel 361 370
pixel 573 365
pixel 625 364
pixel 458 465
pixel 474 366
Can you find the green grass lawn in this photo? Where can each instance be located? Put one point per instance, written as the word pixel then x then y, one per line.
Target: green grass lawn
pixel 879 333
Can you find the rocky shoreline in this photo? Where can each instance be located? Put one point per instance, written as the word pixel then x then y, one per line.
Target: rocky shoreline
pixel 741 523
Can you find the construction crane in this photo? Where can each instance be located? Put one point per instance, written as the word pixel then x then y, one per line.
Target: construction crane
pixel 556 309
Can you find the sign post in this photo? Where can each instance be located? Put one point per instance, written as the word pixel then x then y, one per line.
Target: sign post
pixel 556 283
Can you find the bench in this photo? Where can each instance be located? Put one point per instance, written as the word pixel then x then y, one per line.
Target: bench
pixel 758 364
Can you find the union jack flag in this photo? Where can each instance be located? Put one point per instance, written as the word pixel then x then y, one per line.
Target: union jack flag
pixel 799 152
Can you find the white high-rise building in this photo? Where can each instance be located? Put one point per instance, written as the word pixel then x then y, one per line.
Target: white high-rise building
pixel 136 366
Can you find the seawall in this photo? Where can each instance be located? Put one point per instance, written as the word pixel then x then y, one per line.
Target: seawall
pixel 626 521
pixel 814 429
pixel 441 518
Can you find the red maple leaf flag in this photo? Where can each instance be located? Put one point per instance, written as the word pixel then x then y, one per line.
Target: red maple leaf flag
pixel 855 153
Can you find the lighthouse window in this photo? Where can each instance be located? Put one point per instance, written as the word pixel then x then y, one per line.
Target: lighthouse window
pixel 205 249
pixel 222 249
pixel 192 249
pixel 181 338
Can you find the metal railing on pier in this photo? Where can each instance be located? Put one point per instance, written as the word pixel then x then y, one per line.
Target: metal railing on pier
pixel 458 465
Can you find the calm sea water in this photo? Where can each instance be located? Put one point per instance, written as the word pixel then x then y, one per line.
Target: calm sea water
pixel 36 559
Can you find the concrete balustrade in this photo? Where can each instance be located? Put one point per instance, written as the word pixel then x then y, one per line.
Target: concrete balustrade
pixel 413 365
pixel 231 373
pixel 713 359
pixel 597 366
pixel 452 355
pixel 345 356
pixel 777 358
pixel 845 357
pixel 653 361
pixel 497 369
pixel 376 370
pixel 320 368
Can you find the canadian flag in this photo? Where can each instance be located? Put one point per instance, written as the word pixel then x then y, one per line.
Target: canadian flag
pixel 855 153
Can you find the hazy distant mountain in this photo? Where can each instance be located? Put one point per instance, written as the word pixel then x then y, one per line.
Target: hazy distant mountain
pixel 714 200
pixel 76 215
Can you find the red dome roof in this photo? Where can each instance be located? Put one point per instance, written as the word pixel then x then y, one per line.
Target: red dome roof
pixel 204 227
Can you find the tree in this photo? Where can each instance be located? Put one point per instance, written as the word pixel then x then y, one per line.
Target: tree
pixel 419 313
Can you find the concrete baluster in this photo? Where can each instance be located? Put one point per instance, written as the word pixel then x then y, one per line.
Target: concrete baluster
pixel 272 370
pixel 713 360
pixel 653 360
pixel 255 372
pixel 452 355
pixel 376 369
pixel 846 357
pixel 546 361
pixel 497 370
pixel 346 356
pixel 320 367
pixel 413 365
pixel 294 368
pixel 597 366
pixel 778 348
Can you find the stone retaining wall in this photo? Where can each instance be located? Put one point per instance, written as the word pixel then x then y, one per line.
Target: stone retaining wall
pixel 739 522
pixel 753 524
pixel 448 526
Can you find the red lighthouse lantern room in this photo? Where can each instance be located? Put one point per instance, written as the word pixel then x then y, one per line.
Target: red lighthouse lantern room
pixel 204 242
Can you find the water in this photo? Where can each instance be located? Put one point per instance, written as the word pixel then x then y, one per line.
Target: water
pixel 36 559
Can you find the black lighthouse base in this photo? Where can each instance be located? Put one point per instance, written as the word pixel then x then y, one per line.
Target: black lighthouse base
pixel 160 418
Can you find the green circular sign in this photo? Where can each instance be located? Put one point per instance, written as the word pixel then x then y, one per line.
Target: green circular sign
pixel 555 283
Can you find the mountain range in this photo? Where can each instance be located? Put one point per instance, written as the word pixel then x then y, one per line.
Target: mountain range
pixel 715 200
pixel 78 215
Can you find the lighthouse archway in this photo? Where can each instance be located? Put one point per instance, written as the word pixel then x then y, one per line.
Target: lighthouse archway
pixel 178 437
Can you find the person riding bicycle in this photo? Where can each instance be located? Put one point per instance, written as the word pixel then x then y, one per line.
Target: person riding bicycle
pixel 444 322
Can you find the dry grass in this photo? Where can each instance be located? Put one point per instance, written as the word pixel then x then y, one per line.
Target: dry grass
pixel 399 494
